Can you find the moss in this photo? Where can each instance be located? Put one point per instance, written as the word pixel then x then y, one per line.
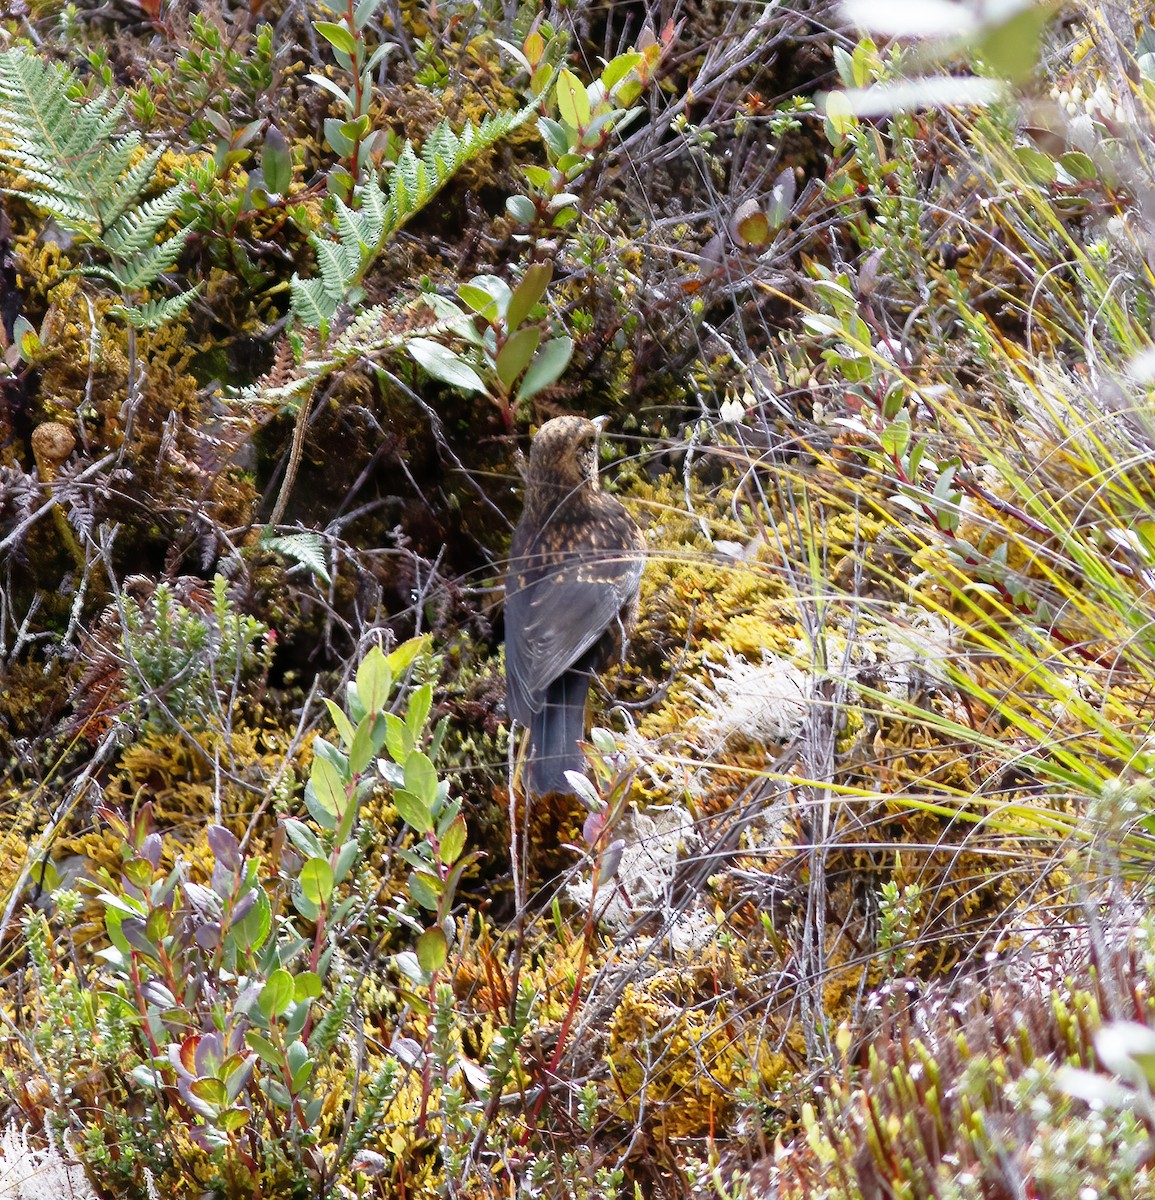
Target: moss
pixel 680 1049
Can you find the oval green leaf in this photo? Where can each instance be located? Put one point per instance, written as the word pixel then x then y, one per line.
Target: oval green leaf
pixel 441 363
pixel 547 367
pixel 328 787
pixel 528 293
pixel 317 880
pixel 411 810
pixel 336 35
pixel 421 778
pixel 277 994
pixel 573 101
pixel 432 950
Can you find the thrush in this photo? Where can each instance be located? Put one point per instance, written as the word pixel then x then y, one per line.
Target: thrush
pixel 571 596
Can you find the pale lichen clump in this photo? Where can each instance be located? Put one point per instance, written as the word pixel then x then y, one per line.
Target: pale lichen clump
pixel 655 842
pixel 34 1172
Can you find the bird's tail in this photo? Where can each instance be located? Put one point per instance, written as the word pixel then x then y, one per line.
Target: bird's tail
pixel 555 732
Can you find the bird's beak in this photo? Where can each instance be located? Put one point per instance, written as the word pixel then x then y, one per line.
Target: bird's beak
pixel 600 422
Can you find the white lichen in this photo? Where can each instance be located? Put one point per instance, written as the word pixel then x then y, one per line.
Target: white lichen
pixel 32 1172
pixel 761 703
pixel 655 841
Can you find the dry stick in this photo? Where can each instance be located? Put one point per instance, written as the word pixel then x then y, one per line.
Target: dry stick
pixel 45 839
pixel 294 459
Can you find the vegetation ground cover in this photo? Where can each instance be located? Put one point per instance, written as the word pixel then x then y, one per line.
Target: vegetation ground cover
pixel 855 901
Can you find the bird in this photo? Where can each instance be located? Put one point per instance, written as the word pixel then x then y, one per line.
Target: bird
pixel 571 596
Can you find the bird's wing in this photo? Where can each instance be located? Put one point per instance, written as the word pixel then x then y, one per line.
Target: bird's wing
pixel 555 612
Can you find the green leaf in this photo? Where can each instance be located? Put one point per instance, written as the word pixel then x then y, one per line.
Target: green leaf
pixel 426 889
pixel 1079 166
pixel 335 136
pixel 441 363
pixel 527 294
pixel 331 88
pixel 362 750
pixel 45 875
pixel 554 136
pixel 421 778
pixel 300 1076
pixel 138 872
pixel 252 930
pixel 277 162
pixel 412 811
pixel 515 355
pixel 840 119
pixel 210 1090
pixel 401 659
pixel 277 994
pixel 303 838
pixel 147 1077
pixel 307 986
pixel 317 880
pixel 417 713
pixel 1040 167
pixel 547 367
pixel 619 67
pixel 355 130
pixel 398 738
pixel 363 13
pixel 232 1119
pixel 328 786
pixel 453 842
pixel 573 101
pixel 432 950
pixel 342 722
pixel 264 1049
pixel 522 209
pixel 346 857
pixel 895 437
pixel 478 300
pixel 337 35
pixel 374 680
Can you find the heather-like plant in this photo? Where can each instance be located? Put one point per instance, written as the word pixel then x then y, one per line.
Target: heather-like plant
pixel 182 662
pixel 221 1005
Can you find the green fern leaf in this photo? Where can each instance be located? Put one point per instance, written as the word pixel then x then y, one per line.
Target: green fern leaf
pixel 69 161
pixel 306 548
pixel 155 313
pixel 146 268
pixel 67 151
pixel 312 304
pixel 413 182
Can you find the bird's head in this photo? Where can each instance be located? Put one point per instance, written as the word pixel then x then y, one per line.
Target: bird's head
pixel 563 460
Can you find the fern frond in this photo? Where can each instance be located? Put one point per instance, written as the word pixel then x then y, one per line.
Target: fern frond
pixel 373 334
pixel 68 160
pixel 312 304
pixel 127 188
pixel 155 313
pixel 66 151
pixel 135 231
pixel 306 548
pixel 143 269
pixel 362 232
